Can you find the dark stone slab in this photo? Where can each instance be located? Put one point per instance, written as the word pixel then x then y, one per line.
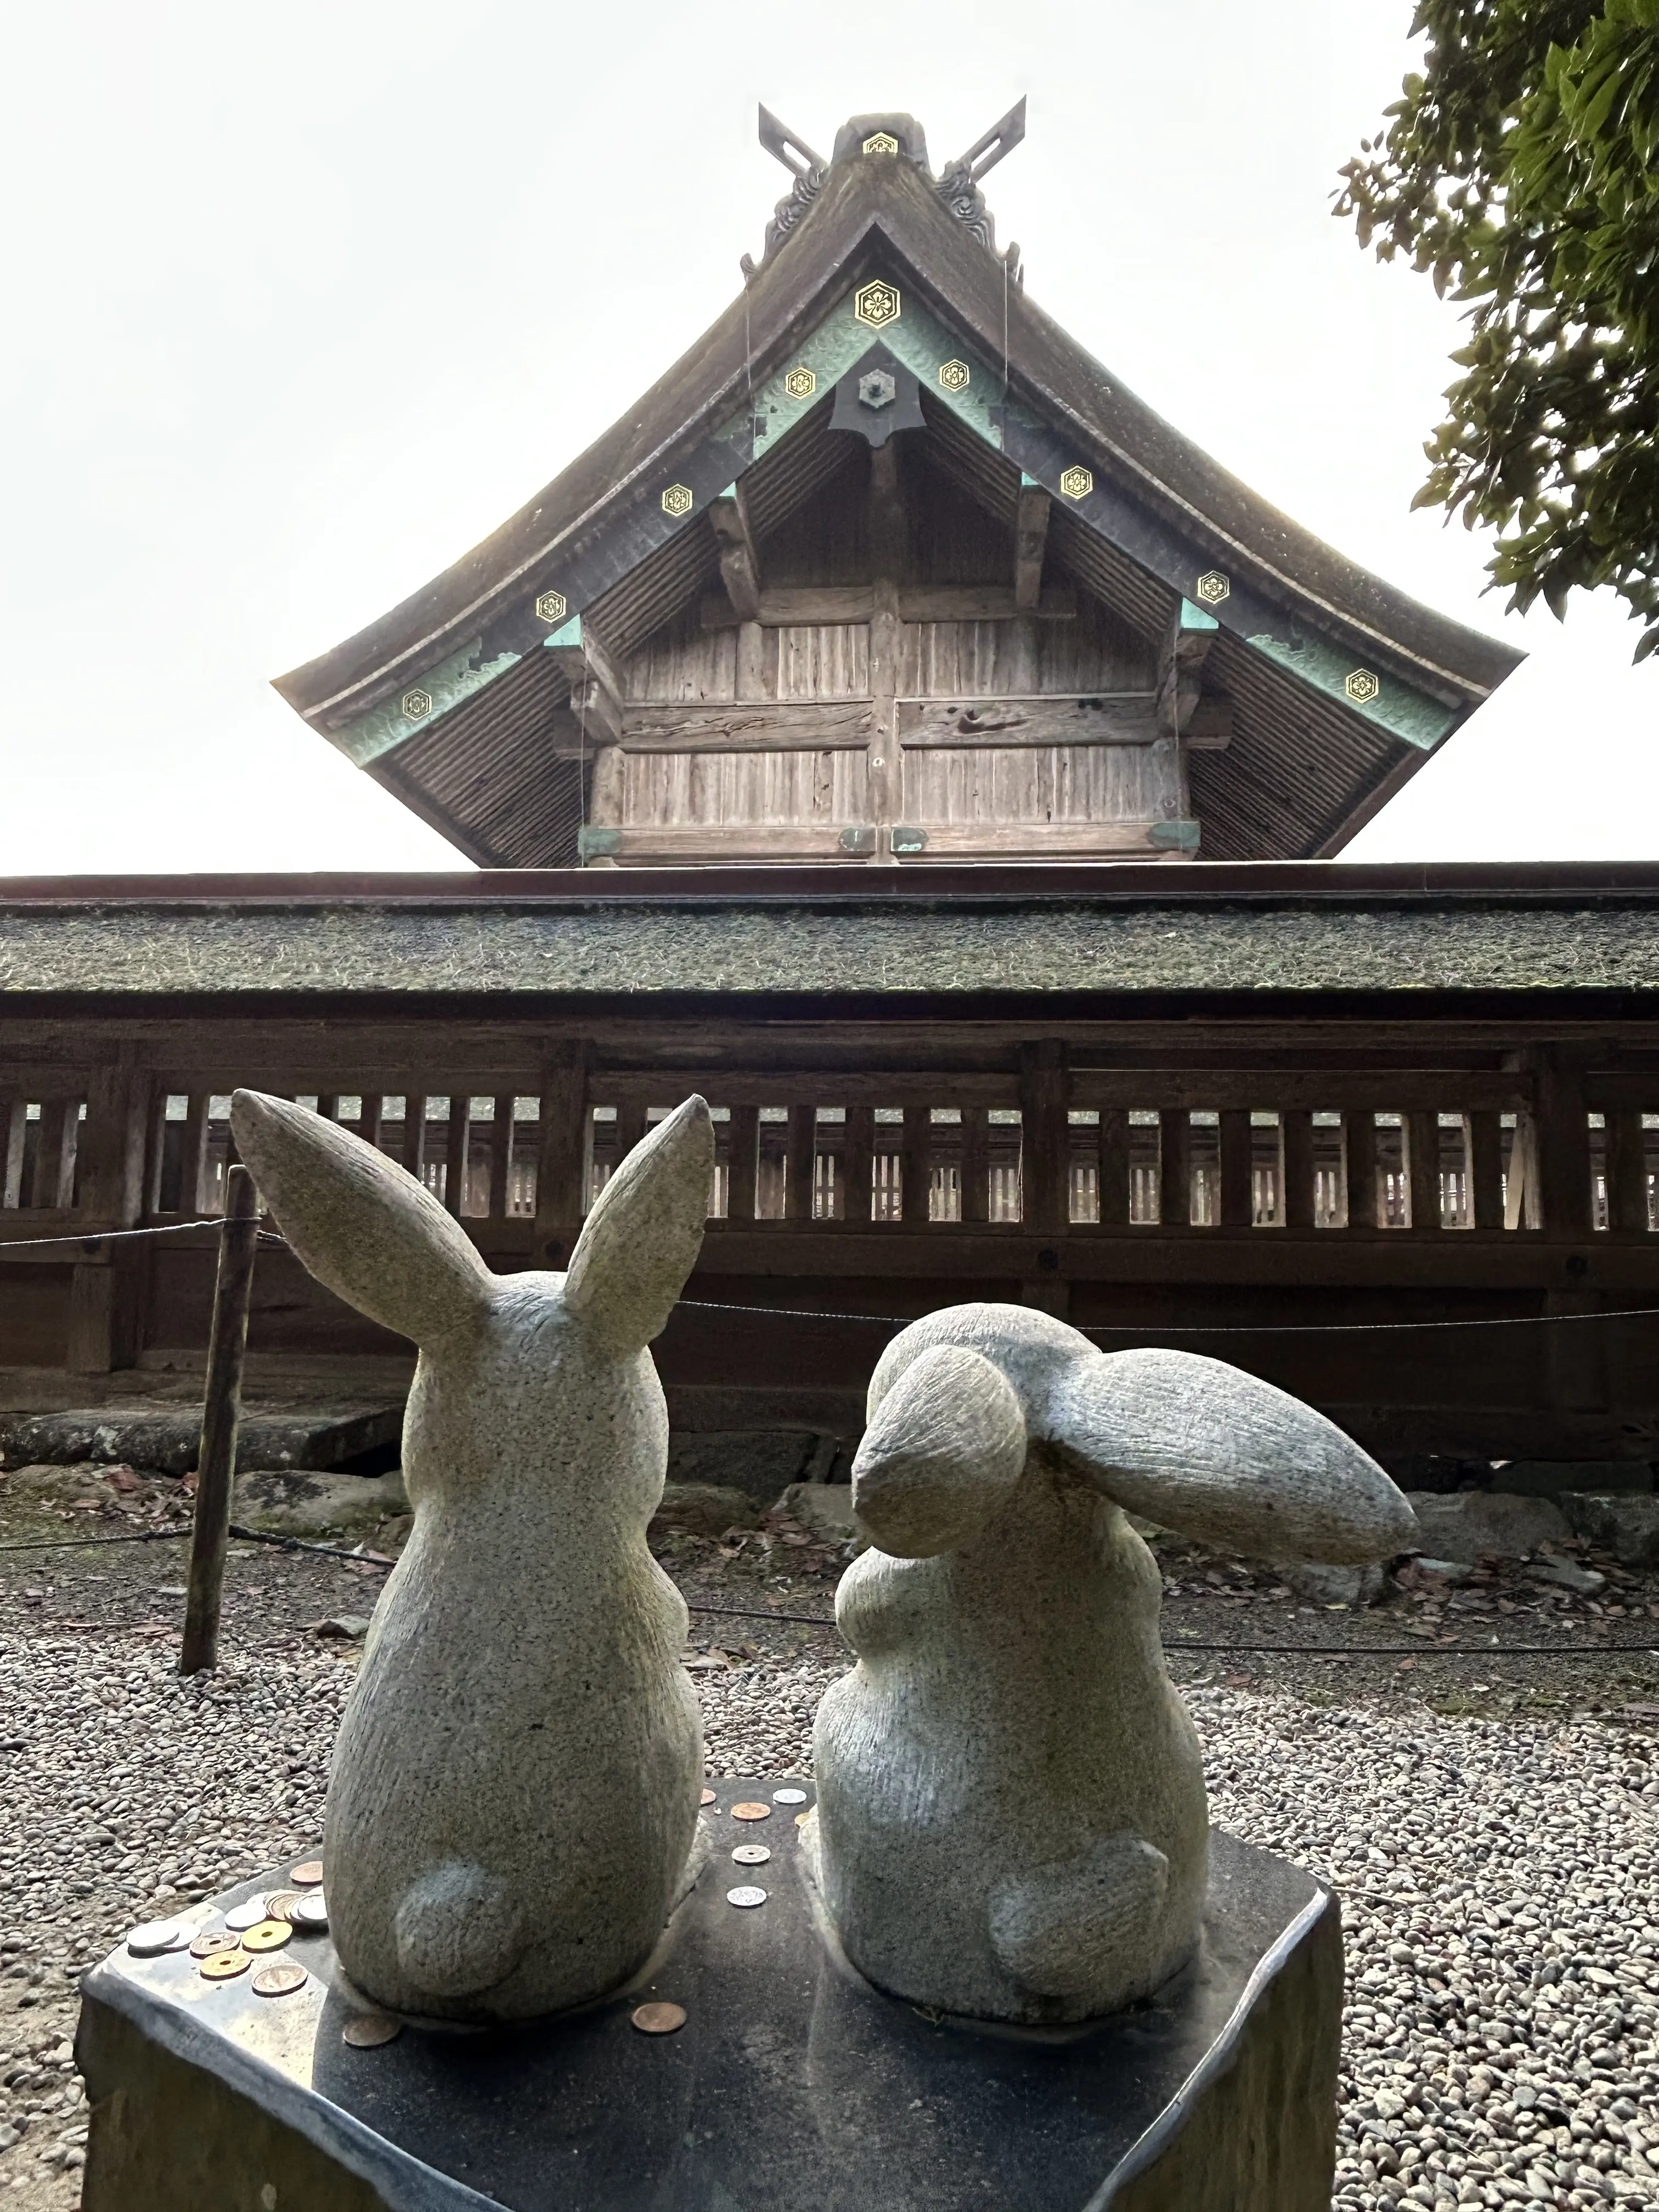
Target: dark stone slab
pixel 168 1437
pixel 795 2086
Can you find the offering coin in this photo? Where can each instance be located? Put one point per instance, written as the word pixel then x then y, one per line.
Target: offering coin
pixel 307 1874
pixel 369 2029
pixel 708 1797
pixel 279 1981
pixel 658 2019
pixel 751 1854
pixel 224 1965
pixel 788 1796
pixel 211 1940
pixel 267 1936
pixel 752 1811
pixel 245 1915
pixel 745 1896
pixel 281 1903
pixel 310 1913
pixel 156 1936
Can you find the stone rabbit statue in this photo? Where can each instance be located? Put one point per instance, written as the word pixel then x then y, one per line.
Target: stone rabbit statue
pixel 1011 1821
pixel 514 1788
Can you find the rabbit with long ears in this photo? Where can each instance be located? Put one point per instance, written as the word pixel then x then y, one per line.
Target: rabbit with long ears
pixel 514 1788
pixel 1011 1821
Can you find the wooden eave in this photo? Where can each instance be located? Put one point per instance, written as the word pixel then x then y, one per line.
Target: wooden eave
pixel 1296 610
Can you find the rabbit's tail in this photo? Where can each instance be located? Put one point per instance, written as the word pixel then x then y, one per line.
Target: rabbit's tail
pixel 1086 1927
pixel 458 1931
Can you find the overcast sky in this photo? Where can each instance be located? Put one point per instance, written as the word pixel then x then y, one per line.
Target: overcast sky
pixel 304 301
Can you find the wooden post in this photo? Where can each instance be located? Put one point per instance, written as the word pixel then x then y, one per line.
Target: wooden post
pixel 562 1157
pixel 414 1148
pixel 192 1153
pixel 803 1153
pixel 1045 1137
pixel 457 1150
pixel 222 1406
pixel 1360 1141
pixel 14 1133
pixel 855 1163
pixel 1628 1175
pixel 1562 1150
pixel 1175 1167
pixel 371 1118
pixel 916 1173
pixel 883 784
pixel 500 1157
pixel 46 1183
pixel 1423 1169
pixel 1295 1131
pixel 1114 1157
pixel 1237 1200
pixel 1486 1144
pixel 745 1164
pixel 107 1300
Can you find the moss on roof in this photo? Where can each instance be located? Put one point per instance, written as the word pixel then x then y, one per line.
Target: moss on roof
pixel 619 950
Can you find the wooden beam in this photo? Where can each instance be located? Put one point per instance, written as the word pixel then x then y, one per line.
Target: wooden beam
pixel 1181 660
pixel 739 562
pixel 818 606
pixel 947 602
pixel 693 843
pixel 795 606
pixel 596 686
pixel 753 726
pixel 1030 540
pixel 1210 726
pixel 957 725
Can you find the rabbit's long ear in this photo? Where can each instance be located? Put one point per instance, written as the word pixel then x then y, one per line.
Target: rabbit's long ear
pixel 642 1238
pixel 943 1450
pixel 359 1223
pixel 1203 1448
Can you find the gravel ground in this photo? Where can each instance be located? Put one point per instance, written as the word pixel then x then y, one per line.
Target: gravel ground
pixel 1494 1838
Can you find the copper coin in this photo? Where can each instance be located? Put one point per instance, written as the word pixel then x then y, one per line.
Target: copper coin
pixel 307 1874
pixel 708 1797
pixel 658 2019
pixel 211 1940
pixel 745 1897
pixel 224 1965
pixel 369 2029
pixel 267 1936
pixel 310 1914
pixel 245 1915
pixel 281 1903
pixel 751 1854
pixel 279 1981
pixel 788 1796
pixel 752 1811
pixel 801 1817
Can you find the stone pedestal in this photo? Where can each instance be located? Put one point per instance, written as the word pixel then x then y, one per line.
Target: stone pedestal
pixel 793 2087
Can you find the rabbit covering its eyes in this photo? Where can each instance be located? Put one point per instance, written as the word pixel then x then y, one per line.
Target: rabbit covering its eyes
pixel 514 1787
pixel 1011 1821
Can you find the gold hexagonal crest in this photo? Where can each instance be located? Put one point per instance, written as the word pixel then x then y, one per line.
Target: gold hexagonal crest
pixel 800 384
pixel 1212 588
pixel 1077 483
pixel 552 606
pixel 881 141
pixel 417 705
pixel 678 499
pixel 1362 687
pixel 877 304
pixel 954 375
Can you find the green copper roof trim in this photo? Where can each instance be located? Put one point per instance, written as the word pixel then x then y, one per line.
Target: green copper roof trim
pixel 1193 617
pixel 1403 713
pixel 386 726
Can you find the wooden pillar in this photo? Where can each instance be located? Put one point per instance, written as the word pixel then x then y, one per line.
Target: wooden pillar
pixel 1486 1145
pixel 561 1155
pixel 1237 1200
pixel 105 1316
pixel 975 1164
pixel 1628 1175
pixel 1045 1137
pixel 802 1154
pixel 500 1157
pixel 328 1105
pixel 1562 1149
pixel 193 1151
pixel 14 1133
pixel 887 557
pixel 45 1182
pixel 1175 1167
pixel 371 1118
pixel 1295 1133
pixel 414 1153
pixel 1422 1170
pixel 1359 1143
pixel 745 1163
pixel 916 1174
pixel 1112 1141
pixel 458 1144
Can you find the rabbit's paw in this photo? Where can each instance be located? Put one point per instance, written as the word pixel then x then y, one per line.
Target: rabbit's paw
pixel 458 1930
pixel 1080 1928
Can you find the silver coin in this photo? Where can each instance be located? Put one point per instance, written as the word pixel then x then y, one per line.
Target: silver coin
pixel 788 1796
pixel 247 1913
pixel 309 1914
pixel 745 1896
pixel 751 1854
pixel 156 1936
